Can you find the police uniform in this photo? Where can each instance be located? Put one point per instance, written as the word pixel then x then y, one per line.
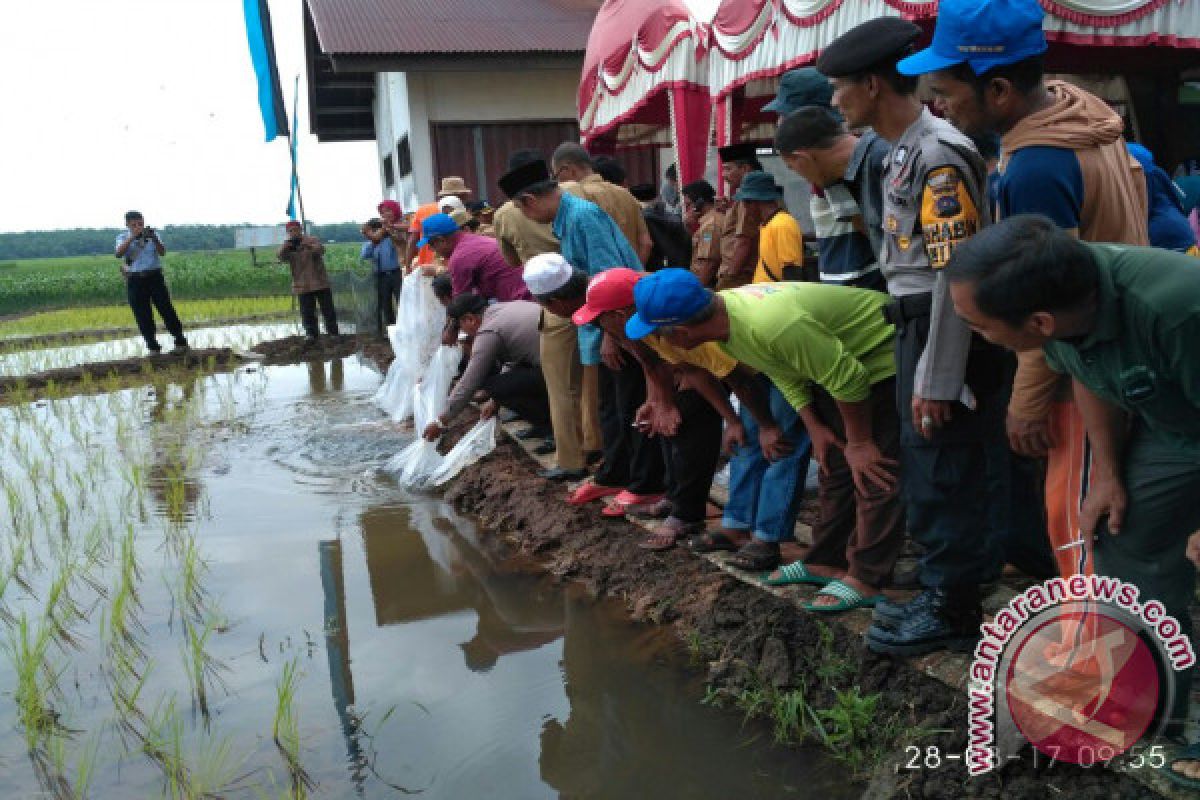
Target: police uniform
pixel 934 198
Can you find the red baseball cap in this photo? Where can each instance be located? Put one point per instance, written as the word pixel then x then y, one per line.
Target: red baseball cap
pixel 611 290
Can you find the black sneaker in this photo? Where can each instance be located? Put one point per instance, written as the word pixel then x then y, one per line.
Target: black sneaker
pixel 943 621
pixel 890 613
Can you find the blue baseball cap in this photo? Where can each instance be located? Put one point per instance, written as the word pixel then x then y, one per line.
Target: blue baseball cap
pixel 667 297
pixel 436 225
pixel 983 33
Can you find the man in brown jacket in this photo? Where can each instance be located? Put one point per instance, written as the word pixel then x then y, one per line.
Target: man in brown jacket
pixel 305 256
pixel 739 228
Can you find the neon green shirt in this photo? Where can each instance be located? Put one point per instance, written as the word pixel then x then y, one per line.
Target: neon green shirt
pixel 803 333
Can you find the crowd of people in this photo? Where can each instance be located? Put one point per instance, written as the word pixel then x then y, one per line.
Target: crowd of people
pixel 987 346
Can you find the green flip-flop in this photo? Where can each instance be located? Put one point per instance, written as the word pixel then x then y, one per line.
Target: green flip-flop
pixel 794 573
pixel 848 597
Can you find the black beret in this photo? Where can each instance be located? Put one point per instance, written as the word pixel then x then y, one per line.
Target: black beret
pixel 874 42
pixel 515 181
pixel 732 153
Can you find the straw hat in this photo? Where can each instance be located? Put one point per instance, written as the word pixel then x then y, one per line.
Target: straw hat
pixel 453 185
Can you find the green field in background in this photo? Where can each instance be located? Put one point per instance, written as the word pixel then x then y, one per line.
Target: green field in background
pixel 58 283
pixel 193 313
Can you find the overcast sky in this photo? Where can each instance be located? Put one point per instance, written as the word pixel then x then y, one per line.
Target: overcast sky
pixel 117 104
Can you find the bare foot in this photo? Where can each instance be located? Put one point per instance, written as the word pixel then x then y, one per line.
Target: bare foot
pixel 823 600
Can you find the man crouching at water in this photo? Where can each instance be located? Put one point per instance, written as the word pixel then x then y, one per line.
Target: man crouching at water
pixel 141 249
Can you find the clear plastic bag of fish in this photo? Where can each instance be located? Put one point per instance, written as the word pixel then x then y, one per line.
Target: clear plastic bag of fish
pixel 477 443
pixel 415 339
pixel 430 394
pixel 415 465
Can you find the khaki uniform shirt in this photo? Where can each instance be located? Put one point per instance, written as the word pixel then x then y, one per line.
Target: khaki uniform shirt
pixel 737 222
pixel 307 263
pixel 933 199
pixel 706 241
pixel 617 202
pixel 520 237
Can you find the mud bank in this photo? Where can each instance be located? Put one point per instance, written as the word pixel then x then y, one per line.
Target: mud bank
pixel 128 371
pixel 764 656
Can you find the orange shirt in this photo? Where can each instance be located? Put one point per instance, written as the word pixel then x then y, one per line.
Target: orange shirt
pixel 425 255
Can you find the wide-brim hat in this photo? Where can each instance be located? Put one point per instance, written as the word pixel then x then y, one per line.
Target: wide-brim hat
pixel 758 186
pixel 453 185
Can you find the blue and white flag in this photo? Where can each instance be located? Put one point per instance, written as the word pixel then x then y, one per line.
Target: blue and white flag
pixel 266 69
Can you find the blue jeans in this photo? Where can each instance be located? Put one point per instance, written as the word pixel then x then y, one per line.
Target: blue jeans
pixel 764 497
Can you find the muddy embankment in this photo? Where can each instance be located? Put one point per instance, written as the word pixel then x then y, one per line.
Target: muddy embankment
pixel 763 656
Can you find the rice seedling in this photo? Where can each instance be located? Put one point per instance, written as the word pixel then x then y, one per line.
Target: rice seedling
pixel 201 668
pixel 286 730
pixel 36 679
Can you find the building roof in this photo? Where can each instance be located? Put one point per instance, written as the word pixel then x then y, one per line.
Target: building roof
pixel 412 27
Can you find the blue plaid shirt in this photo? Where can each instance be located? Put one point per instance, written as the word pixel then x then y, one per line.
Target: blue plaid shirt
pixel 591 241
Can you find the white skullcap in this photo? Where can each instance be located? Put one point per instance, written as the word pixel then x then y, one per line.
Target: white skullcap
pixel 546 273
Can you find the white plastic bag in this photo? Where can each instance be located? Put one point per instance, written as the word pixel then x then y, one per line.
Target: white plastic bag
pixel 415 465
pixel 430 394
pixel 477 443
pixel 415 338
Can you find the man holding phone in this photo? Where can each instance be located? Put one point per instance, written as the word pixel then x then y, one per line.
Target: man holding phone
pixel 141 251
pixel 305 255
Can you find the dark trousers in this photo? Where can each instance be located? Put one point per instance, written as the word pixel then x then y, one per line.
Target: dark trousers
pixel 691 456
pixel 1162 481
pixel 523 390
pixel 308 312
pixel 631 460
pixel 387 297
pixel 862 533
pixel 147 291
pixel 945 478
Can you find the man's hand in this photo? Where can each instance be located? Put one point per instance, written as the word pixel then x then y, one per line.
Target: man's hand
pixel 1106 498
pixel 1193 548
pixel 656 419
pixel 610 353
pixel 929 415
pixel 773 444
pixel 432 431
pixel 733 437
pixel 1029 437
pixel 870 467
pixel 823 440
pixel 488 410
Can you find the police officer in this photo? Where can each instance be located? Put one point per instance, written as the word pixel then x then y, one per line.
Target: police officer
pixel 951 386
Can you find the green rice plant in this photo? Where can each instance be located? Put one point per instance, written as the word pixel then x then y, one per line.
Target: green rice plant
pixel 201 668
pixel 62 612
pixel 36 680
pixel 286 730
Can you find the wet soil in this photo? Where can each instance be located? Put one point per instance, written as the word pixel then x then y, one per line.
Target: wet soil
pixel 753 639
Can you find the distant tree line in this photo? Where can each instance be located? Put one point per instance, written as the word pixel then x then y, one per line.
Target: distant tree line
pixel 95 241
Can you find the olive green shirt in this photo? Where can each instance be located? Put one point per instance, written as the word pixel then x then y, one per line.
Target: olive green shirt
pixel 1144 352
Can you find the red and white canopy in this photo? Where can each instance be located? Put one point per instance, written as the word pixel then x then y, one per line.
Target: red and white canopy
pixel 646 59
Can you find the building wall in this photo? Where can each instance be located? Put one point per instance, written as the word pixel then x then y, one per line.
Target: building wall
pixel 409 102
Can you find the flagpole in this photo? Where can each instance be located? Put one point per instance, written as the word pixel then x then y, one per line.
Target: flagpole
pixel 292 131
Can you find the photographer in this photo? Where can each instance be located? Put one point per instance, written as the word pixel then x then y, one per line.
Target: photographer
pixel 385 237
pixel 141 250
pixel 305 255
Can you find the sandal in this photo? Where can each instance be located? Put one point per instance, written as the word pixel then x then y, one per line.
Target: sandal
pixel 1189 753
pixel 848 597
pixel 619 505
pixel 589 491
pixel 795 573
pixel 668 534
pixel 756 556
pixel 657 510
pixel 712 542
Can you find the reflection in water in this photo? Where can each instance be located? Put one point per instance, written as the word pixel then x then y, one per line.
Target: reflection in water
pixel 317 371
pixel 337 647
pixel 173 463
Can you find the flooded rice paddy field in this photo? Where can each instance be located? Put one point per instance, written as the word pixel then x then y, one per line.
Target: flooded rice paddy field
pixel 236 337
pixel 208 588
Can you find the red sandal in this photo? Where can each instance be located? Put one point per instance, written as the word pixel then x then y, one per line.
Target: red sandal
pixel 590 490
pixel 621 503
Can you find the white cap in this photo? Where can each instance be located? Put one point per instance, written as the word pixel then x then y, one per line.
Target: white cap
pixel 546 273
pixel 454 203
